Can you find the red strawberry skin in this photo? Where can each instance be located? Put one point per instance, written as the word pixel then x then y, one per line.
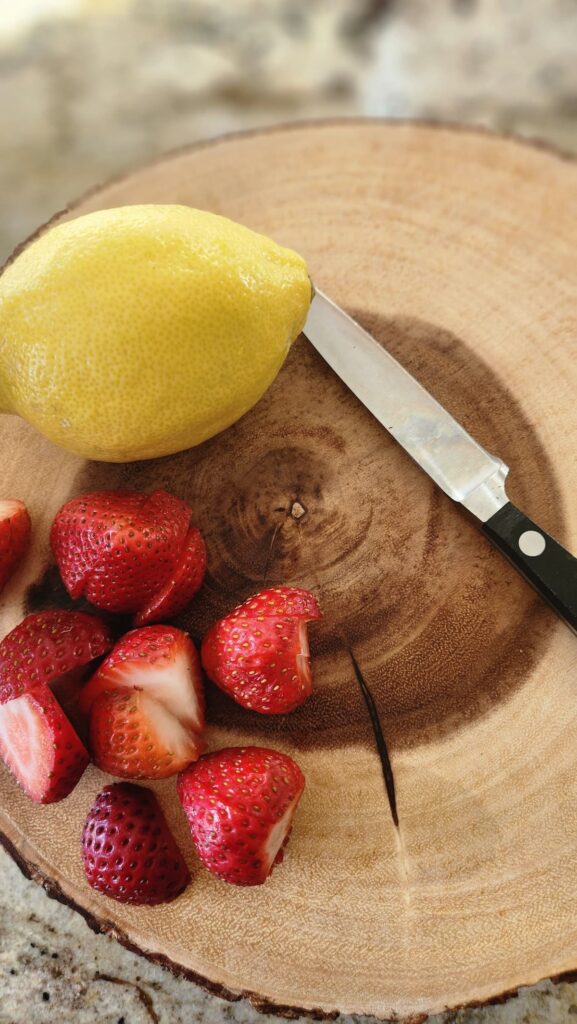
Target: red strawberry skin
pixel 240 802
pixel 40 747
pixel 128 850
pixel 121 549
pixel 259 653
pixel 133 736
pixel 47 645
pixel 14 537
pixel 184 581
pixel 159 660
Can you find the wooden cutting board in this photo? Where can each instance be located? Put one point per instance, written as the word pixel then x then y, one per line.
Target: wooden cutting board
pixel 458 250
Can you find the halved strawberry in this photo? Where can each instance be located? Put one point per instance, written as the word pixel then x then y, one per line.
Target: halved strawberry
pixel 185 579
pixel 14 536
pixel 240 803
pixel 259 653
pixel 132 735
pixel 122 550
pixel 39 745
pixel 162 661
pixel 47 645
pixel 128 850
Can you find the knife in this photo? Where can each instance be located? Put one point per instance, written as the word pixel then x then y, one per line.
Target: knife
pixel 442 447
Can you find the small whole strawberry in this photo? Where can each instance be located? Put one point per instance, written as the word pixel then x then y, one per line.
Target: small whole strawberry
pixel 146 705
pixel 14 537
pixel 128 850
pixel 259 653
pixel 129 552
pixel 240 804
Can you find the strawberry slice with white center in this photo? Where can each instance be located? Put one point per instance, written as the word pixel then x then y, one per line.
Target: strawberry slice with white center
pixel 162 661
pixel 134 737
pixel 40 747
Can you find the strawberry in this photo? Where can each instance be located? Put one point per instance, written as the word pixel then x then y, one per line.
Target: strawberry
pixel 133 736
pixel 14 536
pixel 47 645
pixel 128 850
pixel 129 552
pixel 240 804
pixel 146 705
pixel 163 663
pixel 39 745
pixel 259 653
pixel 185 579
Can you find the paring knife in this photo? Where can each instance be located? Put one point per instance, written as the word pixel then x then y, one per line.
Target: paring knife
pixel 444 449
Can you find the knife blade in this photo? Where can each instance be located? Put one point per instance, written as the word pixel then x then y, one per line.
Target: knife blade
pixel 457 463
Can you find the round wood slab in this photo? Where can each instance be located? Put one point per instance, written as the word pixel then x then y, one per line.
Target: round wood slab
pixel 458 251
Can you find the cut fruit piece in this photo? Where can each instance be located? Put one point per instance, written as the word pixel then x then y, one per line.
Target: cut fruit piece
pixel 40 747
pixel 47 645
pixel 186 578
pixel 14 536
pixel 240 804
pixel 124 550
pixel 259 653
pixel 162 661
pixel 135 737
pixel 128 850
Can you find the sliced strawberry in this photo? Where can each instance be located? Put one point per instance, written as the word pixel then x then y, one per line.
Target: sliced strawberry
pixel 240 804
pixel 185 579
pixel 128 850
pixel 40 747
pixel 133 736
pixel 47 645
pixel 162 662
pixel 259 653
pixel 14 537
pixel 122 549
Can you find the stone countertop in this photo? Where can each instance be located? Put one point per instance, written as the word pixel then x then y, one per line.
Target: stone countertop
pixel 101 86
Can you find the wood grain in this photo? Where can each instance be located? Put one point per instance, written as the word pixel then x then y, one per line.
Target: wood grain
pixel 457 250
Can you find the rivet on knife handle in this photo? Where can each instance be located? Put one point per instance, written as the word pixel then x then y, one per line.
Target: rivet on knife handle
pixel 545 563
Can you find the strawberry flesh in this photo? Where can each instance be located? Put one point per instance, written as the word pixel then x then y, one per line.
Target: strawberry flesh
pixel 128 850
pixel 133 736
pixel 39 745
pixel 48 645
pixel 240 803
pixel 162 661
pixel 259 653
pixel 14 537
pixel 126 551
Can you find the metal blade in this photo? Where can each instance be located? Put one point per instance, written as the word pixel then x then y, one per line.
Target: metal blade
pixel 444 449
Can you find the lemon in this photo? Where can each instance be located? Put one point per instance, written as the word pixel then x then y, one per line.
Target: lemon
pixel 140 331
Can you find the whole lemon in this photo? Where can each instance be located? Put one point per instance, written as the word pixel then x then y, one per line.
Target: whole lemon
pixel 139 331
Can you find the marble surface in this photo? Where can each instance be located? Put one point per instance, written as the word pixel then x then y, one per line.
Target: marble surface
pixel 90 87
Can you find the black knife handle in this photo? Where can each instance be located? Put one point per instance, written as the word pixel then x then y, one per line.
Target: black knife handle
pixel 545 563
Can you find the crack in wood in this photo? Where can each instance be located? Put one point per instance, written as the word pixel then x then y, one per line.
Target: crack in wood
pixel 143 996
pixel 270 551
pixel 379 739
